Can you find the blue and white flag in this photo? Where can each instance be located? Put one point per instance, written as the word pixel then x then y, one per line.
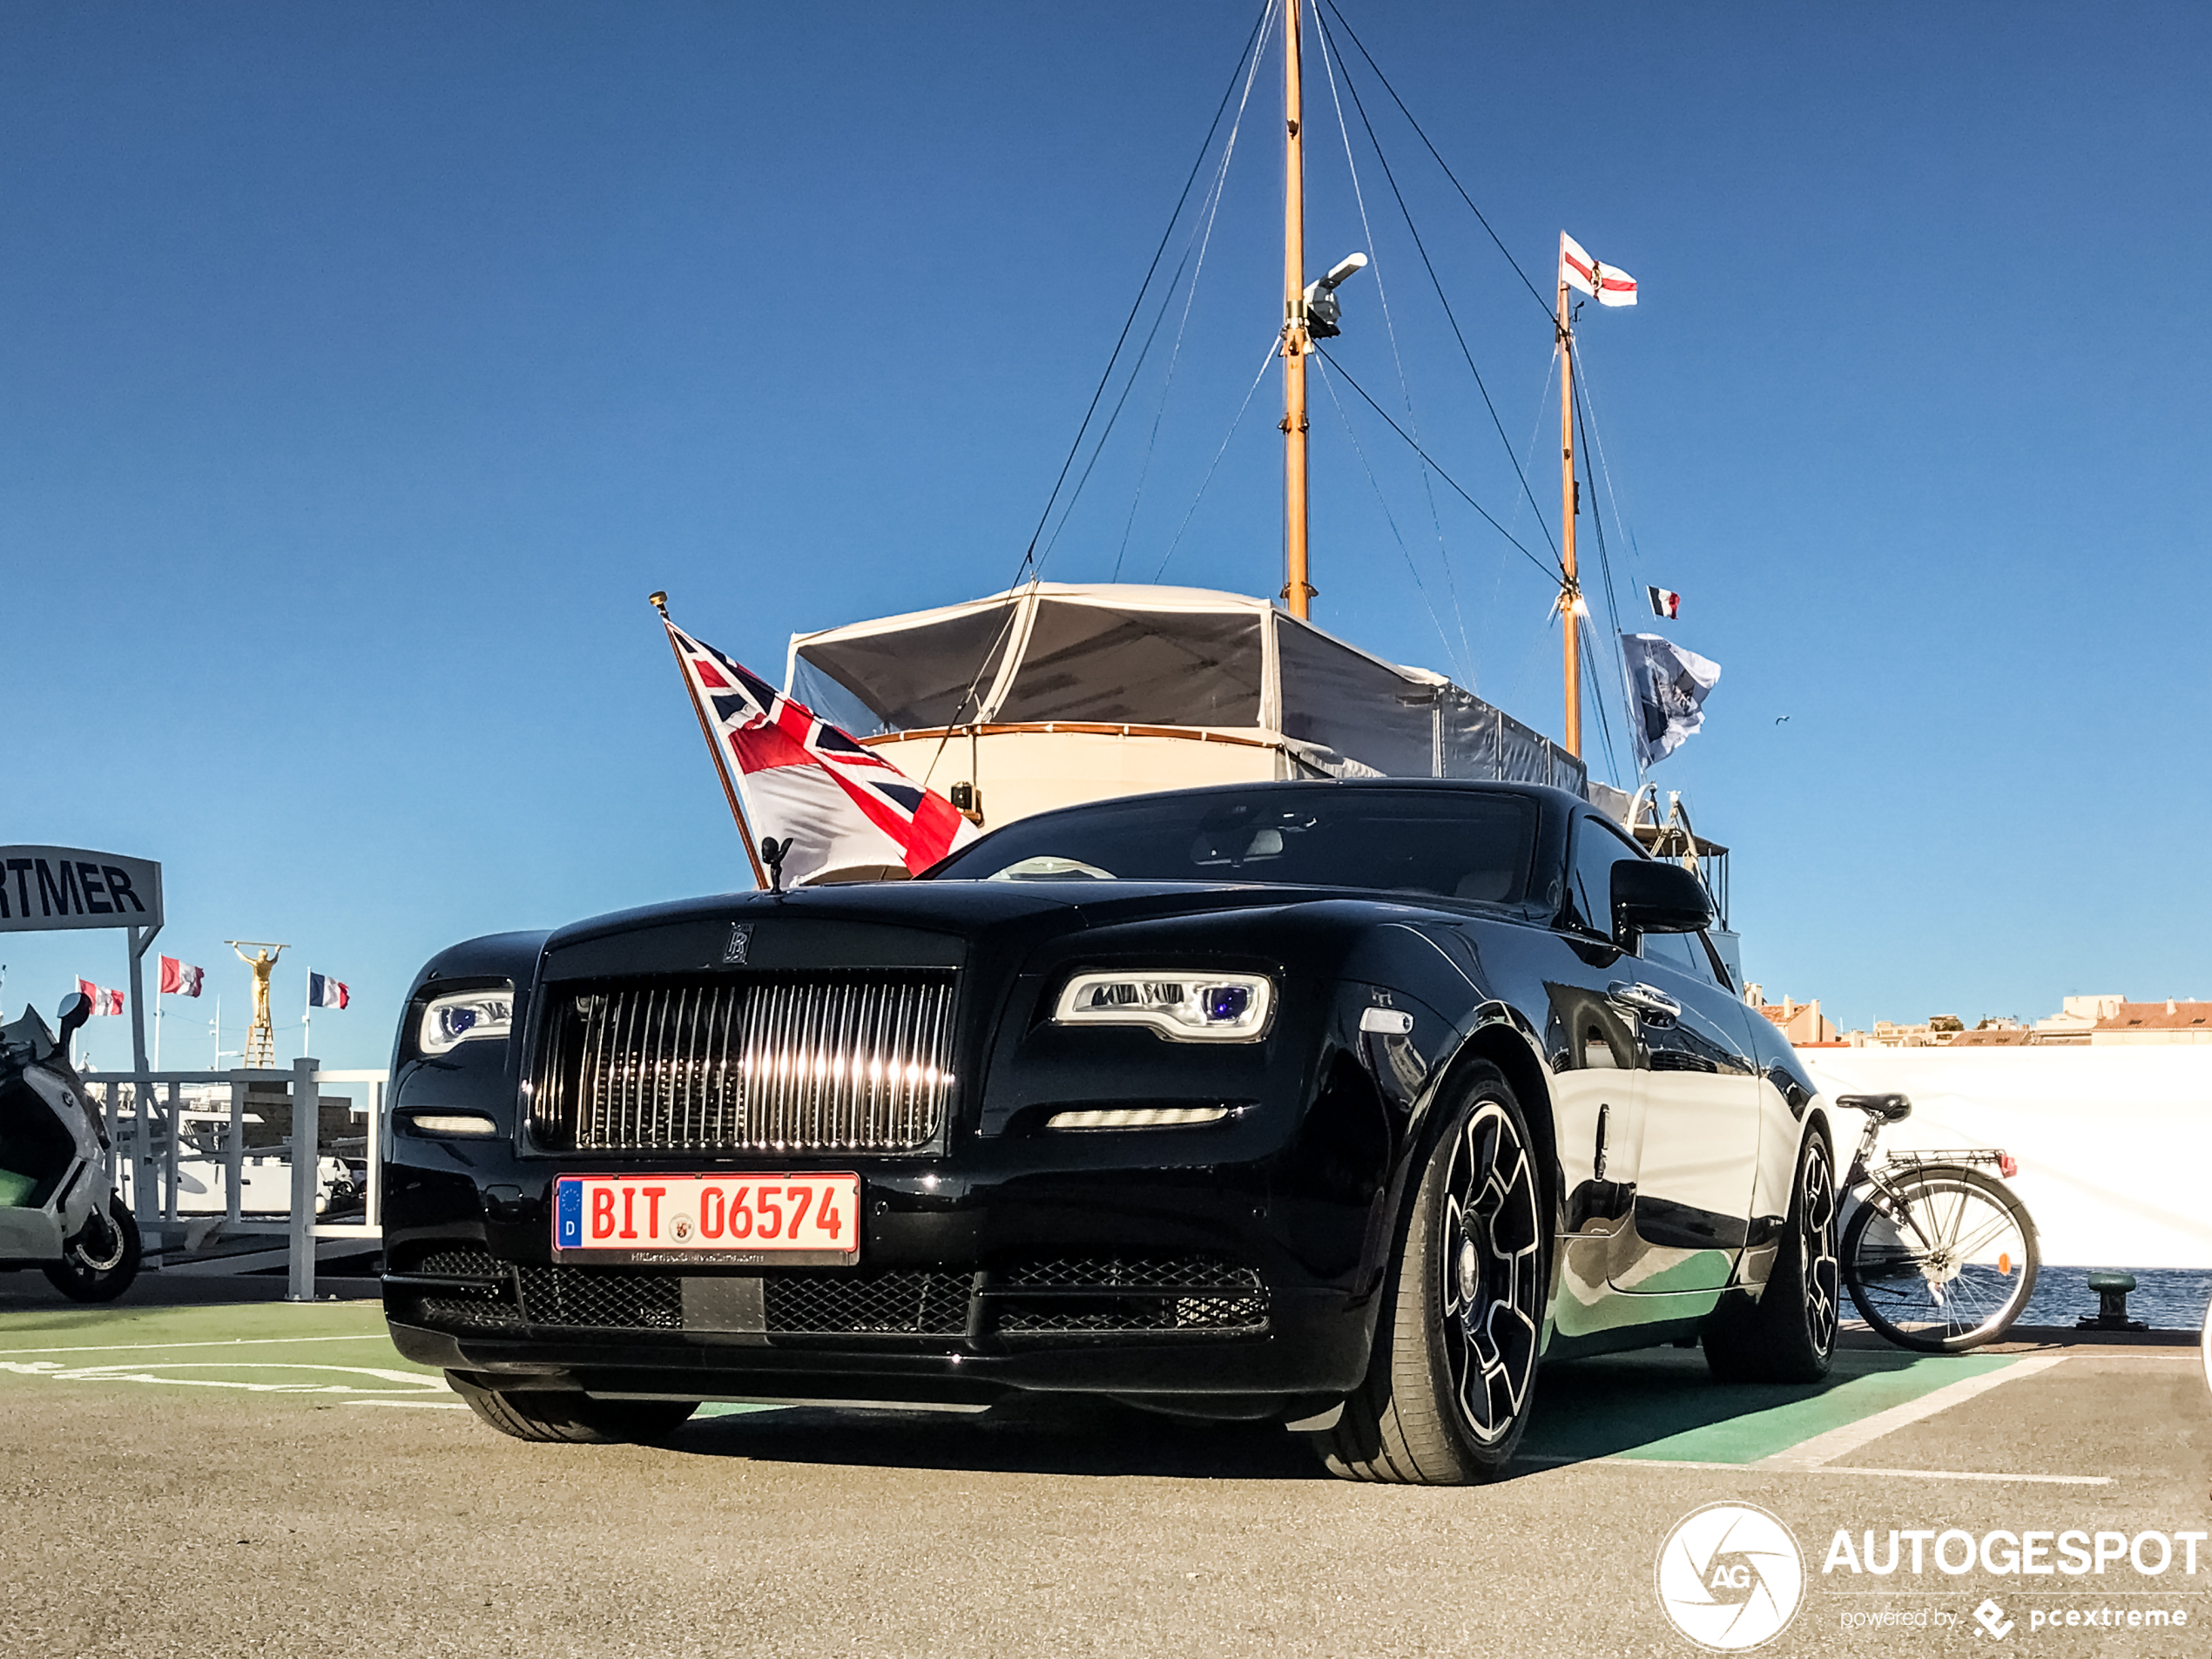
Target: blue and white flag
pixel 1669 686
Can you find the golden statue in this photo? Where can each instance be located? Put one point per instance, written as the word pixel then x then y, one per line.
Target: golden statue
pixel 260 1037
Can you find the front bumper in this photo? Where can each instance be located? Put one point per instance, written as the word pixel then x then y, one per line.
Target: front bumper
pixel 1174 1262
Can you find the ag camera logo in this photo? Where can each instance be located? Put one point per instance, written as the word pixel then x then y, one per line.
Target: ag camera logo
pixel 1730 1576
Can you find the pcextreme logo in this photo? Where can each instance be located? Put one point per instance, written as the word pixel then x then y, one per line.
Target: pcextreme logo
pixel 1730 1576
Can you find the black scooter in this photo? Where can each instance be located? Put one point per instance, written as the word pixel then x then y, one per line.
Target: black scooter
pixel 59 1209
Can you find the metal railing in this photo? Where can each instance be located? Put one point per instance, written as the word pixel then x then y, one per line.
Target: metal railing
pixel 147 1113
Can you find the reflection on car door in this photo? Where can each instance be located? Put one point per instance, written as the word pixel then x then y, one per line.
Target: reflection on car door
pixel 1701 1129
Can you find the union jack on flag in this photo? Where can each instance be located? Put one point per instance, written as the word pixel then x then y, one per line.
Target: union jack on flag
pixel 849 814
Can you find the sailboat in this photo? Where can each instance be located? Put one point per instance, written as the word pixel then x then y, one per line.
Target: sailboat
pixel 1049 694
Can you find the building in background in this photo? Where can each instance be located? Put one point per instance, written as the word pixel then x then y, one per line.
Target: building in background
pixel 1802 1022
pixel 2106 1020
pixel 2172 1021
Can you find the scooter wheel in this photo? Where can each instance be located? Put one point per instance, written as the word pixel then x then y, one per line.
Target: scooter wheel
pixel 95 1268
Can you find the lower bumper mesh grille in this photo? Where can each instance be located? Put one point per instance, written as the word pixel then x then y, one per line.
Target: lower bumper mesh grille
pixel 1105 1295
pixel 1076 1295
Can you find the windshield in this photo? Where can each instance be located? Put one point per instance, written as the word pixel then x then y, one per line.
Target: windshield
pixel 1430 842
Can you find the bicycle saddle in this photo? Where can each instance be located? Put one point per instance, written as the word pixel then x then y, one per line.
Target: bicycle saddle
pixel 1883 1108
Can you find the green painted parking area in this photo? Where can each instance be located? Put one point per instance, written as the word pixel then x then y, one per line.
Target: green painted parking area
pixel 1663 1404
pixel 331 1353
pixel 1657 1405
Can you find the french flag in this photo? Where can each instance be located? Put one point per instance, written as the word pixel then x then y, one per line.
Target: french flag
pixel 323 991
pixel 1664 603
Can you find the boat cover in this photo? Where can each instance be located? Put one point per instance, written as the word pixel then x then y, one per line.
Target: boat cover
pixel 1125 655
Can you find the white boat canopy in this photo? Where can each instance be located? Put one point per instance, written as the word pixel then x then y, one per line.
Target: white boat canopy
pixel 1064 657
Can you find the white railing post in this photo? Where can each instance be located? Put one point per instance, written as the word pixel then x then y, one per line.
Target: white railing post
pixel 234 1153
pixel 374 1214
pixel 144 1200
pixel 306 1178
pixel 176 1154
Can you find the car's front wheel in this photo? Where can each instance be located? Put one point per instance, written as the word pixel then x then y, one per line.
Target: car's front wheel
pixel 1453 1380
pixel 543 1414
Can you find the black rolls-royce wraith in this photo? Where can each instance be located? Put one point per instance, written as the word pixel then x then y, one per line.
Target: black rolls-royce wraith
pixel 1340 1104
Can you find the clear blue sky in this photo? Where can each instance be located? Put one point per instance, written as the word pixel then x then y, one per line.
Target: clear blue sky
pixel 364 366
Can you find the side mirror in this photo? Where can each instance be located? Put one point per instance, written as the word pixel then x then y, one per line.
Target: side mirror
pixel 76 1009
pixel 1650 896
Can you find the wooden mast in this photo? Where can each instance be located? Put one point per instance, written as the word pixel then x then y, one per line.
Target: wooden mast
pixel 1570 591
pixel 1296 590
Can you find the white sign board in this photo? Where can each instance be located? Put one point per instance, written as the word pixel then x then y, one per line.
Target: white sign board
pixel 48 887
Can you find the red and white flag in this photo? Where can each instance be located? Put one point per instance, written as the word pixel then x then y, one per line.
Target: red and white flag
pixel 102 1001
pixel 324 991
pixel 850 814
pixel 180 979
pixel 1610 286
pixel 1664 603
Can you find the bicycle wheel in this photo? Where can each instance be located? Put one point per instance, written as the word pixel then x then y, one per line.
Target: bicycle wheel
pixel 1951 1269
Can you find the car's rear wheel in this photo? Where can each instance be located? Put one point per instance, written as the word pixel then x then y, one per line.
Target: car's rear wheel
pixel 1453 1380
pixel 1788 1334
pixel 576 1419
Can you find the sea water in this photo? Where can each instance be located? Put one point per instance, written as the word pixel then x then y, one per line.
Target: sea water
pixel 2164 1298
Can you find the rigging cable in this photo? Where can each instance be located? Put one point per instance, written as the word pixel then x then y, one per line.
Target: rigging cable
pixel 1604 724
pixel 1098 446
pixel 1390 331
pixel 1419 587
pixel 1354 38
pixel 1552 572
pixel 1274 350
pixel 1212 209
pixel 1029 553
pixel 1434 280
pixel 1605 563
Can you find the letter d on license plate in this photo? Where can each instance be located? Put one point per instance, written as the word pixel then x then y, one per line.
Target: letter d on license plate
pixel 792 1220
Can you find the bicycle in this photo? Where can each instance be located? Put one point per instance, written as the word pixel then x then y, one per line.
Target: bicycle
pixel 1939 1256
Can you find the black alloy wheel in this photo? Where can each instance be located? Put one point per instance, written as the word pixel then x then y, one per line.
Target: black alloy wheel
pixel 1788 1334
pixel 100 1262
pixel 1453 1380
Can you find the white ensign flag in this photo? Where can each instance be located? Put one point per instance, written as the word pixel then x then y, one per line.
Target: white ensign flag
pixel 1668 685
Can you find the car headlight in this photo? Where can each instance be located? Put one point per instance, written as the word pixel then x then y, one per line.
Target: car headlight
pixel 462 1016
pixel 1186 1007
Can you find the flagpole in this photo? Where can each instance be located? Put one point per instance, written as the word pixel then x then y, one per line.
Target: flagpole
pixel 1570 591
pixel 659 602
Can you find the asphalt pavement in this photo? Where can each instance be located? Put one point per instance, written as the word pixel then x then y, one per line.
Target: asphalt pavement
pixel 265 1478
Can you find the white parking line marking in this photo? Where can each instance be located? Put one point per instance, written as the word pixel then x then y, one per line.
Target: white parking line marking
pixel 1770 1467
pixel 1823 1449
pixel 415 1404
pixel 164 1347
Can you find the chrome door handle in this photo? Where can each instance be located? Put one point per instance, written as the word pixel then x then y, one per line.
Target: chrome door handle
pixel 1644 999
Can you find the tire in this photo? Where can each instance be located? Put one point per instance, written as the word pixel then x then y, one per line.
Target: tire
pixel 1788 1334
pixel 98 1264
pixel 573 1418
pixel 1919 1284
pixel 1453 1380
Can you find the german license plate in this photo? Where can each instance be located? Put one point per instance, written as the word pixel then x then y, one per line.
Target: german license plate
pixel 795 1220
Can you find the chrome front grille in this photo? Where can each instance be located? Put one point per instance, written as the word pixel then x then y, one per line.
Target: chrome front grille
pixel 817 1062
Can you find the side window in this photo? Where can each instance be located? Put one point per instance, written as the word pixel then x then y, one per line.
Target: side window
pixel 1597 849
